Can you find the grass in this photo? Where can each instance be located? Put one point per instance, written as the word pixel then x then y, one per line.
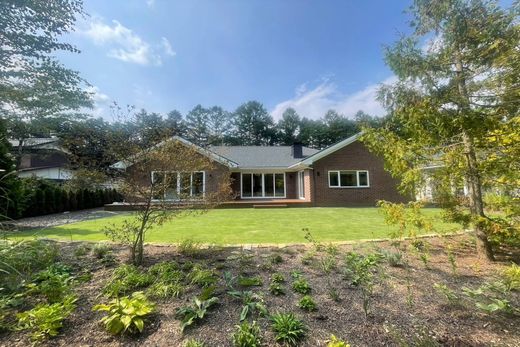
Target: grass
pixel 250 226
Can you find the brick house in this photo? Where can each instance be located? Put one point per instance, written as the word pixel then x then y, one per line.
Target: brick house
pixel 344 174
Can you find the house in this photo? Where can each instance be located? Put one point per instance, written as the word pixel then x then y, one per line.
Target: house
pixel 344 174
pixel 42 158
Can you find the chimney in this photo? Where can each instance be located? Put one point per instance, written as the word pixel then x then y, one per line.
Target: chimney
pixel 297 150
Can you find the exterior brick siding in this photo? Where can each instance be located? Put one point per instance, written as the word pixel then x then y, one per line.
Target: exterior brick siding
pixel 353 157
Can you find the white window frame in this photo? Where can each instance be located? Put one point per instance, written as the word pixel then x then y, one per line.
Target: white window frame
pixel 338 172
pixel 301 184
pixel 179 181
pixel 263 185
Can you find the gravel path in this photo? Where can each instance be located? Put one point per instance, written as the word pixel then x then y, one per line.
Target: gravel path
pixel 52 220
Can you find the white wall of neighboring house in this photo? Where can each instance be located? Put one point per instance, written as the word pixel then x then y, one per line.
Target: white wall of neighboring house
pixel 52 173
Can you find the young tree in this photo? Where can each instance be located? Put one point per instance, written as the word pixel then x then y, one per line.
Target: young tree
pixel 160 183
pixel 455 97
pixel 33 84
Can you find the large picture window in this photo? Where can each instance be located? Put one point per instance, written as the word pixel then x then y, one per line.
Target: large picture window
pixel 348 179
pixel 263 185
pixel 178 185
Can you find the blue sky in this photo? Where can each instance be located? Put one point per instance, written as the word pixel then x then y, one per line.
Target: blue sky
pixel 163 55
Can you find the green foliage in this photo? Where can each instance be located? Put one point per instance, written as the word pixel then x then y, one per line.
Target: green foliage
pixel 20 260
pixel 335 342
pixel 54 283
pixel 308 257
pixel 301 286
pixel 276 259
pixel 449 294
pixel 249 281
pixel 126 314
pixel 46 320
pixel 492 298
pixel 251 302
pixel 189 248
pixel 125 279
pixel 100 250
pixel 246 335
pixel 165 290
pixel 394 259
pixel 328 263
pixel 277 278
pixel 452 259
pixel 202 276
pixel 193 343
pixel 408 217
pixel 289 330
pixel 276 288
pixel 194 313
pixel 511 277
pixel 307 303
pixel 360 271
pixel 82 250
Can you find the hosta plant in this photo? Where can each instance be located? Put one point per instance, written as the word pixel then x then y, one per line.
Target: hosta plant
pixel 45 320
pixel 335 342
pixel 190 314
pixel 246 335
pixel 252 302
pixel 126 314
pixel 288 329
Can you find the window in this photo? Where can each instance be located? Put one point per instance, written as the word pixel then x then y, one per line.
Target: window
pixel 348 179
pixel 176 185
pixel 263 185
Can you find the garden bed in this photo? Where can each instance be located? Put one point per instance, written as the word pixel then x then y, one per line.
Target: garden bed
pixel 405 308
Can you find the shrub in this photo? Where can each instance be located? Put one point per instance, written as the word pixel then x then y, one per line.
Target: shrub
pixel 288 329
pixel 246 335
pixel 125 279
pixel 189 248
pixel 511 277
pixel 126 314
pixel 301 286
pixel 46 319
pixel 196 312
pixel 249 281
pixel 100 250
pixel 307 303
pixel 335 342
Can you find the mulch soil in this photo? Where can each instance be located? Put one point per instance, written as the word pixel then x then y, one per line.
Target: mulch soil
pixel 406 310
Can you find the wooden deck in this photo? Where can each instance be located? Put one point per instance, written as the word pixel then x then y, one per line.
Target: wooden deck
pixel 242 203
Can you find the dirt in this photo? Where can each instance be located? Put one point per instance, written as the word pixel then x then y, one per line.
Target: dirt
pixel 405 306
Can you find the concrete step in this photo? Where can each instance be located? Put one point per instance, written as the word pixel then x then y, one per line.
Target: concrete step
pixel 270 206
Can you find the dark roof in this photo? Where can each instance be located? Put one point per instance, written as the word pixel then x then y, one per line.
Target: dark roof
pixel 261 156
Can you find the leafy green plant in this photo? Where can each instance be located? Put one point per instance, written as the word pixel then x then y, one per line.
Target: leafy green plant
pixel 511 277
pixel 127 278
pixel 275 259
pixel 449 294
pixel 246 335
pixel 333 293
pixel 101 250
pixel 202 276
pixel 45 320
pixel 126 314
pixel 328 263
pixel 166 271
pixel 277 278
pixel 189 248
pixel 288 329
pixel 492 298
pixel 82 250
pixel 296 274
pixel 335 342
pixel 165 290
pixel 452 259
pixel 301 286
pixel 276 288
pixel 394 259
pixel 55 283
pixel 249 281
pixel 196 312
pixel 194 343
pixel 307 303
pixel 251 302
pixel 308 257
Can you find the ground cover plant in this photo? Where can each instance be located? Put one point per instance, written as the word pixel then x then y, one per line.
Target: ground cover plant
pixel 474 306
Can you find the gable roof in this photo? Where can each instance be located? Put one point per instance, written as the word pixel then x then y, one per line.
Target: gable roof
pixel 261 156
pixel 326 151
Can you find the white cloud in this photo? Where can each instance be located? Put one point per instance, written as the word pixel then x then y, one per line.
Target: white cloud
pixel 101 101
pixel 125 44
pixel 316 102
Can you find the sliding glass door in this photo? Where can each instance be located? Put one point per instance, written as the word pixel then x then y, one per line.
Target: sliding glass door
pixel 263 185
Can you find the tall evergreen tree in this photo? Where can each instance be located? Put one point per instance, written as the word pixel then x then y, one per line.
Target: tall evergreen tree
pixel 254 125
pixel 197 125
pixel 289 127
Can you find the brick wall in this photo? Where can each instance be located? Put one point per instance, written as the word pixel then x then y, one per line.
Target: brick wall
pixel 353 157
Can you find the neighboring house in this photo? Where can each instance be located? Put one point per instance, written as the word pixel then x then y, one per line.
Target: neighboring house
pixel 344 174
pixel 42 158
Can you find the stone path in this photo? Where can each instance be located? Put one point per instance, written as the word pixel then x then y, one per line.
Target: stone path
pixel 52 220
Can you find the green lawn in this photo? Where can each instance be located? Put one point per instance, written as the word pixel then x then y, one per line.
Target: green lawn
pixel 250 226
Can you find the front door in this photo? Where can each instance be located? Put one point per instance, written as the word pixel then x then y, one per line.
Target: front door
pixel 301 185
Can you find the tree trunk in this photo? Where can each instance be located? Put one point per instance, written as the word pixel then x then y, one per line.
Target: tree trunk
pixel 472 172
